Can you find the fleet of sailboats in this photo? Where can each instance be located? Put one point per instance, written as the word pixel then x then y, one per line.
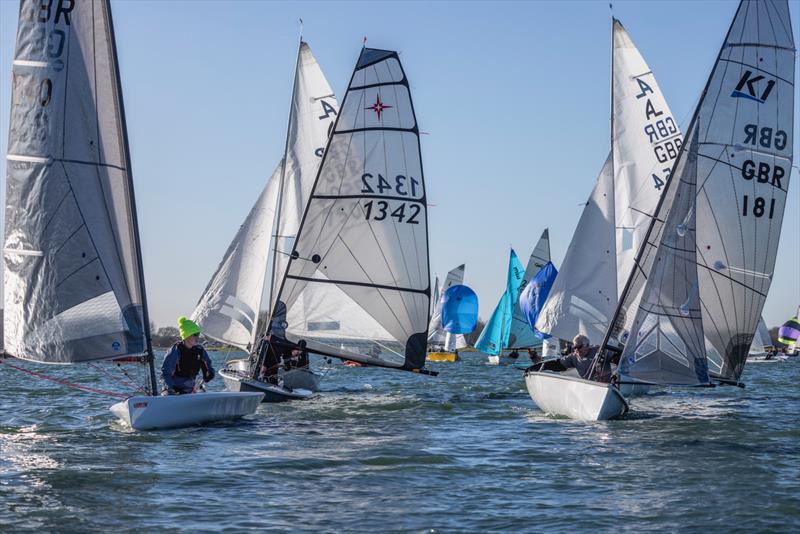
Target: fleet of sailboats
pixel 692 300
pixel 667 271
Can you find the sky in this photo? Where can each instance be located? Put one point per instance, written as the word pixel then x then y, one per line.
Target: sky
pixel 513 98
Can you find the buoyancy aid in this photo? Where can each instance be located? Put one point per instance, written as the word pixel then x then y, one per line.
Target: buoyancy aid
pixel 190 361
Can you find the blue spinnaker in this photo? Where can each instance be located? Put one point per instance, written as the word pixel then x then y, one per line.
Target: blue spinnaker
pixel 459 310
pixel 496 332
pixel 535 294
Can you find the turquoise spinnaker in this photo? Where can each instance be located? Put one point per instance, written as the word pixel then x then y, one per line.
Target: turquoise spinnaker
pixel 496 332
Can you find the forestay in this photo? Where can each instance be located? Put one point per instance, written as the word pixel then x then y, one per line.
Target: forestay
pixel 72 268
pixel 645 141
pixel 521 334
pixel 363 242
pixel 710 264
pixel 437 334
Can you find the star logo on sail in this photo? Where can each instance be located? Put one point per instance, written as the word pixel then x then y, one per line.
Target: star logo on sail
pixel 378 106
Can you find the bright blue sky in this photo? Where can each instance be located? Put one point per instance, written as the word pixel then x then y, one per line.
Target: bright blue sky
pixel 514 96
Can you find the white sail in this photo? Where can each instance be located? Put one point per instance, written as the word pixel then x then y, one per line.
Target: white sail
pixel 231 305
pixel 72 268
pixel 761 339
pixel 229 308
pixel 434 298
pixel 521 334
pixel 436 334
pixel 314 109
pixel 584 293
pixel 645 141
pixel 364 232
pixel 727 197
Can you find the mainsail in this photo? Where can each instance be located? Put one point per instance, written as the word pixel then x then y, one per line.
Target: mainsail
pixel 230 309
pixel 437 334
pixel 645 140
pixel 701 279
pixel 521 334
pixel 73 279
pixel 496 334
pixel 362 243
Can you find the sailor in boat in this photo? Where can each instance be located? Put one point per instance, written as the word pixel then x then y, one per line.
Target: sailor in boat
pixel 533 356
pixel 185 360
pixel 580 359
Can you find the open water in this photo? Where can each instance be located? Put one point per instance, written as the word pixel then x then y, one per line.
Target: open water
pixel 382 450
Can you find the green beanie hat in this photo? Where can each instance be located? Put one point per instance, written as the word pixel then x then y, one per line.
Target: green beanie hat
pixel 187 327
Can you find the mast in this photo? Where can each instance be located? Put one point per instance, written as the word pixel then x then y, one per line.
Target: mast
pixel 280 193
pixel 600 359
pixel 153 389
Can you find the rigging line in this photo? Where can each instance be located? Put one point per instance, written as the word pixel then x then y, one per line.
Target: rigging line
pixel 134 386
pixel 65 382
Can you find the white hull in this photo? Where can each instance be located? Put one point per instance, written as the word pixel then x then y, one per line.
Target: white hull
pixel 574 397
pixel 174 411
pixel 239 381
pixel 762 358
pixel 294 378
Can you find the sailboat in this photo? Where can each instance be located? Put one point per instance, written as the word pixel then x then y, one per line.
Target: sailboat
pixel 645 140
pixel 442 345
pixel 690 306
pixel 494 337
pixel 521 335
pixel 789 333
pixel 74 285
pixel 230 309
pixel 761 345
pixel 358 269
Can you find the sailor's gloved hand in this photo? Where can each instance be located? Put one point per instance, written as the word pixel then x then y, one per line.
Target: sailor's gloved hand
pixel 208 377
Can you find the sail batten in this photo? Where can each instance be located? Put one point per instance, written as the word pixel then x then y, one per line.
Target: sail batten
pixel 360 259
pixel 727 195
pixel 80 297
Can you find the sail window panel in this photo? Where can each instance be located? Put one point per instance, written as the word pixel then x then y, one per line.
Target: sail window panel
pixel 318 312
pixel 386 71
pixel 386 106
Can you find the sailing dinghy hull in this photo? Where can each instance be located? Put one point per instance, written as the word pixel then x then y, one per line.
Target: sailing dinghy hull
pixel 574 397
pixel 237 381
pixel 175 411
pixel 293 378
